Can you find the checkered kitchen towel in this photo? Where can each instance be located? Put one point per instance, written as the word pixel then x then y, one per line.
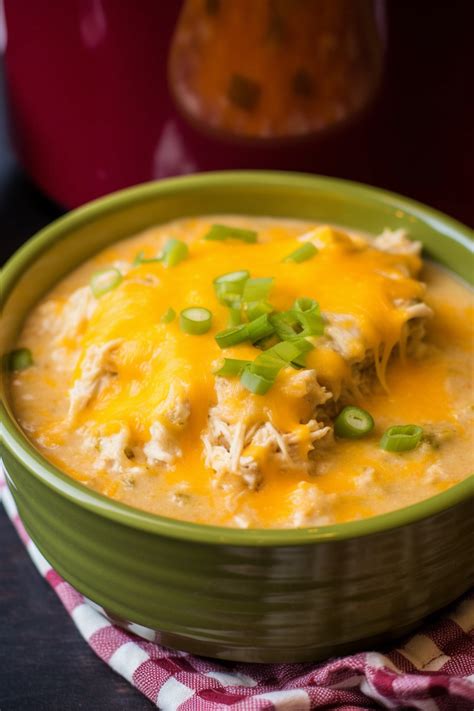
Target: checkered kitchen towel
pixel 432 671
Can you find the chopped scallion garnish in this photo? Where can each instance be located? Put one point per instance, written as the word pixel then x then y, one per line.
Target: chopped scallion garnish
pixel 168 316
pixel 20 359
pixel 235 315
pixel 259 328
pixel 257 289
pixel 232 336
pixel 401 438
pixel 308 314
pixel 229 287
pixel 258 308
pixel 104 280
pixel 265 343
pixel 174 252
pixel 259 376
pixel 285 324
pixel 141 259
pixel 306 251
pixel 353 422
pixel 232 366
pixel 306 304
pixel 289 350
pixel 195 320
pixel 255 382
pixel 219 233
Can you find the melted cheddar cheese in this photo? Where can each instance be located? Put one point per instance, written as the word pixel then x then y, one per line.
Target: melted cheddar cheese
pixel 132 406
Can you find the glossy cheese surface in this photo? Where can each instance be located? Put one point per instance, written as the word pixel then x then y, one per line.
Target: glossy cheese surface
pixel 363 292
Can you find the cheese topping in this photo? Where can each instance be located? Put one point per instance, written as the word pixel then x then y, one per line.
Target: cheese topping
pixel 141 399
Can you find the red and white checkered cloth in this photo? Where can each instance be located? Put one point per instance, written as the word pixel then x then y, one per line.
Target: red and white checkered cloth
pixel 432 671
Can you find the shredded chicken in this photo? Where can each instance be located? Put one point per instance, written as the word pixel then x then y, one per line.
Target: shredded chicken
pixel 162 447
pixel 176 408
pixel 434 473
pixel 97 366
pixel 396 242
pixel 172 416
pixel 342 334
pixel 237 445
pixel 235 452
pixel 236 449
pixel 111 451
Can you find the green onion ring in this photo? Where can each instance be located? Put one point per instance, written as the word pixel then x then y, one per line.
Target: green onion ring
pixel 229 287
pixel 353 422
pixel 401 438
pixel 195 320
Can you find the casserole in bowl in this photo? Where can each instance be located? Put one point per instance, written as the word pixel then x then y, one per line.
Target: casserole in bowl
pixel 256 595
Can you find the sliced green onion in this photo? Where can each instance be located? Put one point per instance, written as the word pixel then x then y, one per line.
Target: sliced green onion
pixel 229 287
pixel 299 362
pixel 141 259
pixel 270 362
pixel 284 324
pixel 232 366
pixel 260 328
pixel 255 382
pixel 235 315
pixel 267 366
pixel 305 346
pixel 309 316
pixel 257 289
pixel 306 251
pixel 195 320
pixel 232 336
pixel 168 316
pixel 289 350
pixel 259 375
pixel 20 359
pixel 174 252
pixel 353 422
pixel 222 232
pixel 258 308
pixel 104 280
pixel 306 304
pixel 401 438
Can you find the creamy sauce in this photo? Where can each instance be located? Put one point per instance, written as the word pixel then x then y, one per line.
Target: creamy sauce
pixel 346 479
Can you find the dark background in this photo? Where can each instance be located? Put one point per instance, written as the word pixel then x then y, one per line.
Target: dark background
pixel 421 145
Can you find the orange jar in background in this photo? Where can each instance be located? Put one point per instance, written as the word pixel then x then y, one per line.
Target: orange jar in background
pixel 274 69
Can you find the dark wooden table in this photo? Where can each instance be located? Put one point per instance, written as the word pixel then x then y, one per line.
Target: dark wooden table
pixel 421 145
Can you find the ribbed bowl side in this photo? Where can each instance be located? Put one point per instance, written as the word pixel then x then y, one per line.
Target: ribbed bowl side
pixel 253 603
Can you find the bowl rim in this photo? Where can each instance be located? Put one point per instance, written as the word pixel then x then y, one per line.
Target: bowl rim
pixel 24 451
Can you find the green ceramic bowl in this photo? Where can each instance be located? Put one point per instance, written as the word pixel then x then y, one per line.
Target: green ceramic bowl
pixel 251 595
